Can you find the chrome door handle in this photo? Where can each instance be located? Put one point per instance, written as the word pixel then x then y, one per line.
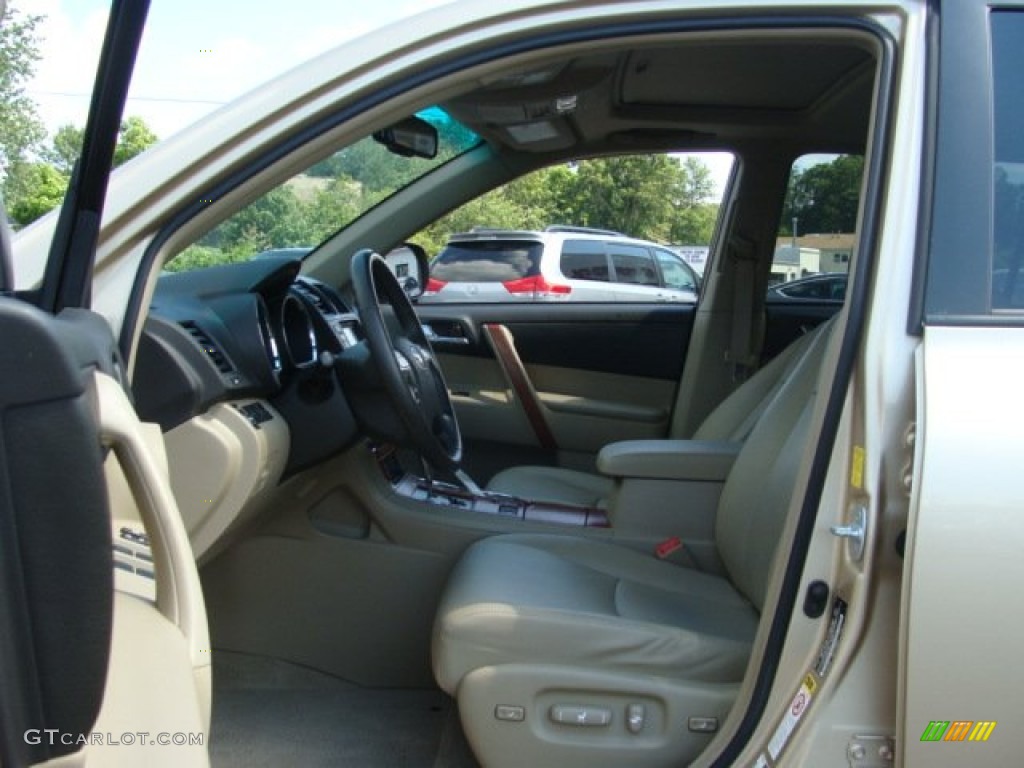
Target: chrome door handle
pixel 433 338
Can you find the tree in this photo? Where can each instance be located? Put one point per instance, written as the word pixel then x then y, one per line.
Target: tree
pixel 66 147
pixel 36 188
pixel 21 130
pixel 276 220
pixel 823 198
pixel 632 194
pixel 651 196
pixel 133 138
pixel 44 187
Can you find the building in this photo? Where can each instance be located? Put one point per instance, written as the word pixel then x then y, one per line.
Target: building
pixel 835 249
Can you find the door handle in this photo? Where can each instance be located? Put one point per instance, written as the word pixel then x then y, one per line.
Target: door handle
pixel 434 338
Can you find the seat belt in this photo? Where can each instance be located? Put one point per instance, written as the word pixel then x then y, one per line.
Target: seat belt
pixel 741 354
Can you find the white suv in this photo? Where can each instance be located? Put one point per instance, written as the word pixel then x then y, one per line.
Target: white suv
pixel 559 264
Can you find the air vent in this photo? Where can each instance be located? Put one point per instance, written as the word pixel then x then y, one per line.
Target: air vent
pixel 312 295
pixel 206 343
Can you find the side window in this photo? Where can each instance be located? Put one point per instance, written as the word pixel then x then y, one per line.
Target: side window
pixel 584 260
pixel 1008 177
pixel 602 220
pixel 827 288
pixel 632 264
pixel 816 234
pixel 675 273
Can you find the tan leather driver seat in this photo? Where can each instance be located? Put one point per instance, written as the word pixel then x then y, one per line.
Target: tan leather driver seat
pixel 569 650
pixel 732 419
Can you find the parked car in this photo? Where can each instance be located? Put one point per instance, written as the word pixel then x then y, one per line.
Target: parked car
pixel 828 287
pixel 550 533
pixel 559 264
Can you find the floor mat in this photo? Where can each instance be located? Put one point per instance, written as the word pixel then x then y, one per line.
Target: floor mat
pixel 269 713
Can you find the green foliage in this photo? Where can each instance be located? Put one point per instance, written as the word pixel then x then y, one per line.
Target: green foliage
pixel 633 195
pixel 824 198
pixel 695 224
pixel 199 256
pixel 276 220
pixel 526 203
pixel 655 197
pixel 21 130
pixel 44 187
pixel 133 138
pixel 332 207
pixel 33 189
pixel 66 147
pixel 650 196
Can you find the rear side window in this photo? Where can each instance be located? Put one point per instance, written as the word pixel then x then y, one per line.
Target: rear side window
pixel 633 264
pixel 817 231
pixel 1008 215
pixel 676 274
pixel 487 262
pixel 584 260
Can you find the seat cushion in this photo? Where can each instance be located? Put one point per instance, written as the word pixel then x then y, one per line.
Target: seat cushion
pixel 553 484
pixel 553 599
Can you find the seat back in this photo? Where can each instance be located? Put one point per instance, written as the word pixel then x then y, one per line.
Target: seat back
pixel 735 417
pixel 756 496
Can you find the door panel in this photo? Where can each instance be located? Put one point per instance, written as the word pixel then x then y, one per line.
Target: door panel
pixel 596 373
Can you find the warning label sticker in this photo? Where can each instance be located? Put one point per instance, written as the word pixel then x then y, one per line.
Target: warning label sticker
pixel 796 710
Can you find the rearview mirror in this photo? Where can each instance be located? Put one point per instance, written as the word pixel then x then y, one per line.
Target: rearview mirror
pixel 408 262
pixel 411 137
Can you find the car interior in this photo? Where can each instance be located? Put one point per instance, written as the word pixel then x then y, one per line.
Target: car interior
pixel 461 534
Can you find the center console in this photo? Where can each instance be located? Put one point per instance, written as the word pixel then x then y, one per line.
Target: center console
pixel 449 495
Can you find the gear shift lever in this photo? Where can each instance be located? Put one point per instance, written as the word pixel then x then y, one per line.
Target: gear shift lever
pixel 468 484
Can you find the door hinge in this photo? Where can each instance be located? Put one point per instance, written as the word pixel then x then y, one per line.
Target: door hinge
pixel 907 475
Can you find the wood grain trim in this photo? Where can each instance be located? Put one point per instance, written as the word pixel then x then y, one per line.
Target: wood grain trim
pixel 501 341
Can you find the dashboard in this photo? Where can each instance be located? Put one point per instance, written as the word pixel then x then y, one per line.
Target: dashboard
pixel 256 335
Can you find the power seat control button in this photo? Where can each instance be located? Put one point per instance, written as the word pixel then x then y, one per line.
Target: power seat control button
pixel 568 714
pixel 635 717
pixel 509 713
pixel 703 724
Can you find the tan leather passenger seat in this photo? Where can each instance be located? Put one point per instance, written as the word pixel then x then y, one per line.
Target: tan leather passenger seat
pixel 536 630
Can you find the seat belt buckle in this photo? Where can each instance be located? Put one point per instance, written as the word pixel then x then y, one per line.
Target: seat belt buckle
pixel 665 548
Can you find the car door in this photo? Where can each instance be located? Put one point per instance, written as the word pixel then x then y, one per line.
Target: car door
pixel 554 382
pixel 960 671
pixel 107 629
pixel 635 273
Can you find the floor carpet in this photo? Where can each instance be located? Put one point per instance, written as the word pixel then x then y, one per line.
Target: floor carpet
pixel 269 713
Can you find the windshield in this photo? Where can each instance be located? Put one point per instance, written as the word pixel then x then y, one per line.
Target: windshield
pixel 295 217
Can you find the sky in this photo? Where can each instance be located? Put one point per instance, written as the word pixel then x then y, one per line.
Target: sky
pixel 197 55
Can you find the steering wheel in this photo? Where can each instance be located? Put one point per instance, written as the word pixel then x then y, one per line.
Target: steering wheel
pixel 405 362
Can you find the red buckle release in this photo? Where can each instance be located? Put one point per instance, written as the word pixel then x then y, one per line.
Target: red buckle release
pixel 667 547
